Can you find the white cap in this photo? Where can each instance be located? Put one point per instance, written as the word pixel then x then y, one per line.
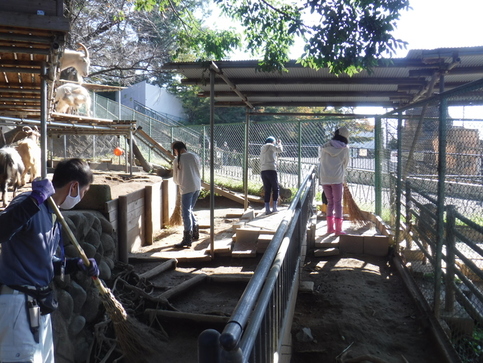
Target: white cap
pixel 343 131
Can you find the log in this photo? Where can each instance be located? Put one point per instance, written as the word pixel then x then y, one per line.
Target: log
pixel 171 263
pixel 183 287
pixel 198 318
pixel 147 167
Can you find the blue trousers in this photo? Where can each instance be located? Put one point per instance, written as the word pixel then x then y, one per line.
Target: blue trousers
pixel 270 184
pixel 188 202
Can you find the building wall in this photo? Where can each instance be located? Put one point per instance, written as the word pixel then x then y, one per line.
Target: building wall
pixel 154 97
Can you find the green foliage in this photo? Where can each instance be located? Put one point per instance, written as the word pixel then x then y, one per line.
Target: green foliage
pixel 205 44
pixel 344 35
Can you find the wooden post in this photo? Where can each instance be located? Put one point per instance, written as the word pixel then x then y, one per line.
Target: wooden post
pixel 450 257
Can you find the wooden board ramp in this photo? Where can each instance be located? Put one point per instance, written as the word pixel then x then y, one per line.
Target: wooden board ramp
pixel 154 144
pixel 235 196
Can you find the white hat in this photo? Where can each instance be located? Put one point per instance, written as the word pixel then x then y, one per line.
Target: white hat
pixel 343 131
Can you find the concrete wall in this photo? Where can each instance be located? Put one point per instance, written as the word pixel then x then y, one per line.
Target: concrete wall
pixel 154 97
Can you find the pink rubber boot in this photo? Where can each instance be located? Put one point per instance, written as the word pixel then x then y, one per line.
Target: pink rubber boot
pixel 338 226
pixel 330 224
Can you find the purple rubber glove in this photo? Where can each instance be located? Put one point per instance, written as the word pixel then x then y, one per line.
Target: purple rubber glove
pixel 91 270
pixel 42 189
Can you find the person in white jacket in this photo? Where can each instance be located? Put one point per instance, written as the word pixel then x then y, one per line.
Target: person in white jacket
pixel 268 166
pixel 186 174
pixel 334 158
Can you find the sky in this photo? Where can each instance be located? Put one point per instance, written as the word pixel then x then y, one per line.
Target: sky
pixel 429 24
pixel 441 24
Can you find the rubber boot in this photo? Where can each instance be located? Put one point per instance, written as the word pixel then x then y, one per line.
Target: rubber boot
pixel 330 224
pixel 275 206
pixel 196 233
pixel 267 208
pixel 338 226
pixel 186 242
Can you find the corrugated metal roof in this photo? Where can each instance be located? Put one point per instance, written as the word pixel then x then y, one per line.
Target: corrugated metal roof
pixel 393 83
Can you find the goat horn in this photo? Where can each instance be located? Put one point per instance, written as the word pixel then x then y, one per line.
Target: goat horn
pixel 84 48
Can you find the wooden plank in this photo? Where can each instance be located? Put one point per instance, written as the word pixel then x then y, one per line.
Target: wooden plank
pixel 135 216
pixel 152 211
pixel 155 144
pixel 29 6
pixel 227 194
pixel 135 196
pixel 246 246
pixel 34 21
pixel 131 223
pixel 135 238
pixel 122 231
pixel 181 256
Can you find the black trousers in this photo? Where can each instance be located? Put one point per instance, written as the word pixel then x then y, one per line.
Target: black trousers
pixel 270 184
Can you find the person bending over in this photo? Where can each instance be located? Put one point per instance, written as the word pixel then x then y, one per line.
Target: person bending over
pixel 30 237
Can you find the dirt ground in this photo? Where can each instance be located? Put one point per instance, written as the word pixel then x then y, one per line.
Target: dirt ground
pixel 359 305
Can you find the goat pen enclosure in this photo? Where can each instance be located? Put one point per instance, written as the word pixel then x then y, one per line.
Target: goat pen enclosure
pixel 419 169
pixel 436 203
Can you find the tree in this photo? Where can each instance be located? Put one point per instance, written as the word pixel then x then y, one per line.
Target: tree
pixel 129 44
pixel 343 35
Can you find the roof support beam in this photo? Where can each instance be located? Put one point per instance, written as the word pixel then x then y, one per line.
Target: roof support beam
pixel 311 94
pixel 218 71
pixel 313 81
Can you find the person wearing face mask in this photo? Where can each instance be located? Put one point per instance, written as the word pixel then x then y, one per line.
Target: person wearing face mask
pixel 30 239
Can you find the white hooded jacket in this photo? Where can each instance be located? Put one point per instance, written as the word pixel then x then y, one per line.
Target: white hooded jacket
pixel 333 158
pixel 268 156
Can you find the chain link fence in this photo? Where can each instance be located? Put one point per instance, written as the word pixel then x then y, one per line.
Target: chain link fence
pixel 433 154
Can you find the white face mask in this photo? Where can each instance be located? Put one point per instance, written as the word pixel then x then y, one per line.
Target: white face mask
pixel 69 201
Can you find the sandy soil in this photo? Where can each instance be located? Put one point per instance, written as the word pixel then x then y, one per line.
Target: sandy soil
pixel 359 307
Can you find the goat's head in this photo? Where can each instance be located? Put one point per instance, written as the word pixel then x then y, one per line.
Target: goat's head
pixel 84 61
pixel 33 133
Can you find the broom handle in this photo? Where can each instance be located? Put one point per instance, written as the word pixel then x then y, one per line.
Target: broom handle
pixel 74 241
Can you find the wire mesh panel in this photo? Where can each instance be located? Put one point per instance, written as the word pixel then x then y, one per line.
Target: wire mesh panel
pixel 92 147
pixel 436 187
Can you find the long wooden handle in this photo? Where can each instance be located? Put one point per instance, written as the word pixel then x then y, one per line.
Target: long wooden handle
pixel 74 241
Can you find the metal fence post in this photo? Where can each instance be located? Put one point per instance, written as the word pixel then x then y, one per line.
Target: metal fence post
pixel 450 257
pixel 245 159
pixel 209 346
pixel 203 153
pixel 443 109
pixel 399 177
pixel 299 169
pixel 409 240
pixel 378 165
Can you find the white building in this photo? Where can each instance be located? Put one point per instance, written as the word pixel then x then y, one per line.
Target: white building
pixel 153 97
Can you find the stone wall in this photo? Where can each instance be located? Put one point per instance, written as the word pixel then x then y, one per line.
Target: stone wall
pixel 80 306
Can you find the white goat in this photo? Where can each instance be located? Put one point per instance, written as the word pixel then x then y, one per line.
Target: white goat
pixel 11 168
pixel 78 60
pixel 70 96
pixel 29 151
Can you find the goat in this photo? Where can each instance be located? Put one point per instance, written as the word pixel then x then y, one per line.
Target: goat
pixel 11 168
pixel 70 96
pixel 29 151
pixel 78 60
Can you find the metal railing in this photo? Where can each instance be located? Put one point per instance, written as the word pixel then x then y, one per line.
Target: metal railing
pixel 261 321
